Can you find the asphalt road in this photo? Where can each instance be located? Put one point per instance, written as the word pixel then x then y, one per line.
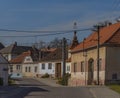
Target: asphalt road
pixel 30 88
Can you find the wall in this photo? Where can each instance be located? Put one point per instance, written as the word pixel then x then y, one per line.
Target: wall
pixel 113 62
pixel 46 70
pixel 30 73
pixel 81 78
pixel 4 73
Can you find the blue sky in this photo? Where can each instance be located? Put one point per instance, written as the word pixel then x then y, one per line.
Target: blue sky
pixel 53 15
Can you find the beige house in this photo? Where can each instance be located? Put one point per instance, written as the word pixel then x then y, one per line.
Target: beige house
pixel 84 58
pixel 25 65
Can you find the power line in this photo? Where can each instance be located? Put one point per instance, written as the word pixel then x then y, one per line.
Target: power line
pixel 50 34
pixel 26 31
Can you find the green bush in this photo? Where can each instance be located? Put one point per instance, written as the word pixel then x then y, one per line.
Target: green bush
pixel 64 79
pixel 1 81
pixel 45 75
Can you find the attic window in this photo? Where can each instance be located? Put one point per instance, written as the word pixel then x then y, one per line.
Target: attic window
pixel 27 59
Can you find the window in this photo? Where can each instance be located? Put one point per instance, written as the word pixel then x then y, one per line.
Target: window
pixel 29 69
pixel 18 67
pixel 43 66
pixel 35 70
pixel 82 66
pixel 25 69
pixel 75 67
pixel 114 76
pixel 68 68
pixel 27 58
pixel 50 66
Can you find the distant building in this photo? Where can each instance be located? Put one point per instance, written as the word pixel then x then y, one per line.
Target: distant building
pixel 4 70
pixel 14 50
pixel 84 58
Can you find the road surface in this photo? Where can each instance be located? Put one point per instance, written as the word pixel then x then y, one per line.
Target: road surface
pixel 30 88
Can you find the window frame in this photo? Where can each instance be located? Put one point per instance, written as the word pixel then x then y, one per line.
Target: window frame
pixel 49 66
pixel 43 66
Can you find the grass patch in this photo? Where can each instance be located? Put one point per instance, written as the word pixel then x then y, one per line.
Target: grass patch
pixel 115 88
pixel 11 82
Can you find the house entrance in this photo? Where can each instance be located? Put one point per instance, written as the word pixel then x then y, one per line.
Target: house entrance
pixel 90 71
pixel 58 70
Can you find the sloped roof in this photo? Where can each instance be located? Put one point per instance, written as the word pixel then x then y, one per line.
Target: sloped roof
pixel 20 58
pixel 7 49
pixel 106 33
pixel 13 48
pixel 3 60
pixel 54 56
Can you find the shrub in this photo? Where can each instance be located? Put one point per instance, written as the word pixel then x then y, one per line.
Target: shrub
pixel 45 75
pixel 64 79
pixel 1 81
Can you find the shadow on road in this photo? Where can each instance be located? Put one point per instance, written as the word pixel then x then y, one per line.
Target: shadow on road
pixel 27 90
pixel 20 91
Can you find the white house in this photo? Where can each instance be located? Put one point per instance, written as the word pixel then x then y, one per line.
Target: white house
pixel 4 70
pixel 47 67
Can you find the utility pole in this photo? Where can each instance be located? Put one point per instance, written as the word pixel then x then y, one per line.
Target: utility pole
pixel 98 53
pixel 98 50
pixel 64 56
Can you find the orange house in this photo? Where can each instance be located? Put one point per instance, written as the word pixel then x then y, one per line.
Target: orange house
pixel 84 58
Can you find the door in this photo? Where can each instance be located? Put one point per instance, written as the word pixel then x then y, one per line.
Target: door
pixel 90 71
pixel 58 70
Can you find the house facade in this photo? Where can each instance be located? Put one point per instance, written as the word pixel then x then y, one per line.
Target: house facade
pixel 84 58
pixel 24 65
pixel 47 68
pixel 4 70
pixel 51 64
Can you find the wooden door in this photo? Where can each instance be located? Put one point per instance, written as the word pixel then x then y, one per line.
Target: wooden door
pixel 58 70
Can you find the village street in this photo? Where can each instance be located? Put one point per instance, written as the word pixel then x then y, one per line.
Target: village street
pixel 30 88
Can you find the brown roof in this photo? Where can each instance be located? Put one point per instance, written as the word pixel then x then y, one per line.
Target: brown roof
pixel 20 58
pixel 56 55
pixel 107 35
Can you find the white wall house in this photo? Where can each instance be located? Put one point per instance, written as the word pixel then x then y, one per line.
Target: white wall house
pixel 46 67
pixel 4 70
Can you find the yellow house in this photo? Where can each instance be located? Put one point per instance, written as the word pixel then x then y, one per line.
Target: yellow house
pixel 84 58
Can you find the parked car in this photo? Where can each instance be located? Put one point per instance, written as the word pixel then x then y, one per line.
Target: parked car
pixel 16 76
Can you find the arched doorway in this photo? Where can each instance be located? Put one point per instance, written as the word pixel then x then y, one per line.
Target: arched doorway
pixel 90 71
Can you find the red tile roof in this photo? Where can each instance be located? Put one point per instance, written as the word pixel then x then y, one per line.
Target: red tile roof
pixel 106 33
pixel 20 58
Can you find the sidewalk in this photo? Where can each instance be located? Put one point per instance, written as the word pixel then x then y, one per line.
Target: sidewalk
pixel 49 82
pixel 103 92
